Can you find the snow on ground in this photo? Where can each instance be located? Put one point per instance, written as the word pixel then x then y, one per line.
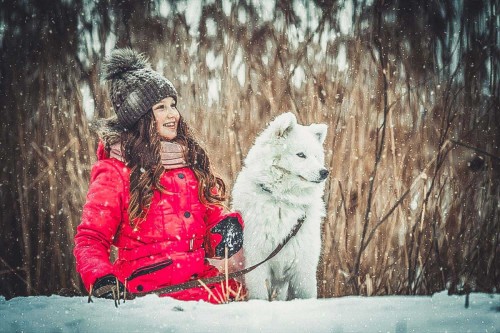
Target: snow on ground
pixel 439 313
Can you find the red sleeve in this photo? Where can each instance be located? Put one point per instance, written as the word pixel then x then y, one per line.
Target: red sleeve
pixel 101 217
pixel 101 151
pixel 214 215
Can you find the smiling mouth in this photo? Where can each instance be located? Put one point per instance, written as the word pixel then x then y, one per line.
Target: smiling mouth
pixel 170 125
pixel 309 181
pixel 299 176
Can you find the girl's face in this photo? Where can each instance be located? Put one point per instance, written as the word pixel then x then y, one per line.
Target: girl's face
pixel 167 118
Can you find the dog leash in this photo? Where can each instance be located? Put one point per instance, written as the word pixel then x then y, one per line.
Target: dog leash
pixel 220 278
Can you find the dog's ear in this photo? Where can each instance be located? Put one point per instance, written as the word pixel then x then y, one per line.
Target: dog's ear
pixel 319 130
pixel 283 124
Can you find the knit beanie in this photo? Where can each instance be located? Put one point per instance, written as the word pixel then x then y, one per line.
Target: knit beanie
pixel 135 87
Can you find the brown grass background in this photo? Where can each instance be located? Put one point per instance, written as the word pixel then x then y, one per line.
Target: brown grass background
pixel 413 127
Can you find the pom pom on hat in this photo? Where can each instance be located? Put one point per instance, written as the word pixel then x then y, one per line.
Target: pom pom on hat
pixel 135 87
pixel 121 61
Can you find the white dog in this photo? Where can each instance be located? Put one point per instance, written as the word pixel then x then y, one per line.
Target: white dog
pixel 282 181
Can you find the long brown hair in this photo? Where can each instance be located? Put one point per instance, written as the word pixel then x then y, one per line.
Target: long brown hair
pixel 141 147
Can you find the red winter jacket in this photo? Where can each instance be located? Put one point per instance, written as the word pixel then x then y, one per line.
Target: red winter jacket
pixel 168 247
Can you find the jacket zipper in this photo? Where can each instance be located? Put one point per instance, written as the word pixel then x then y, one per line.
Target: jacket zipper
pixel 150 269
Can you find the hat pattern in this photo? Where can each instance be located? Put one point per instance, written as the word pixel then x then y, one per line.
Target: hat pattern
pixel 135 87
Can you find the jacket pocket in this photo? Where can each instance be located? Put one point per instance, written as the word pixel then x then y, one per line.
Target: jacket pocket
pixel 149 269
pixel 148 278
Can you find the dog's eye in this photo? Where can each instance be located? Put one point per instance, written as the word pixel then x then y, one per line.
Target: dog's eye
pixel 301 155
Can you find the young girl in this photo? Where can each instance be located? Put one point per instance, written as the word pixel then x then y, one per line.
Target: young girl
pixel 152 194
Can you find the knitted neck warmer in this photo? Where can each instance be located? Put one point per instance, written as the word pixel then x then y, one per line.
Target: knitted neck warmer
pixel 172 154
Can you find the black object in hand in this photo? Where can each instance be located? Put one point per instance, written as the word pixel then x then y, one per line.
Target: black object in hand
pixel 232 236
pixel 108 287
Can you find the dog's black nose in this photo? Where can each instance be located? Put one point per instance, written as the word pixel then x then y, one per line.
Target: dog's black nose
pixel 323 174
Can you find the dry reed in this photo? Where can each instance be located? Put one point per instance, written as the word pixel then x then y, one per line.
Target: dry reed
pixel 411 207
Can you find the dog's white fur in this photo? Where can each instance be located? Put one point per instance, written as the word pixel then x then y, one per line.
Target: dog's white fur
pixel 282 180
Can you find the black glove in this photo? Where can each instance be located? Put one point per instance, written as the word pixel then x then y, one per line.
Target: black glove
pixel 232 236
pixel 109 287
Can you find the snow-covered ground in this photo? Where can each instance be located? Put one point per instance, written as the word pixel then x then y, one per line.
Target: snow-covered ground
pixel 439 313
